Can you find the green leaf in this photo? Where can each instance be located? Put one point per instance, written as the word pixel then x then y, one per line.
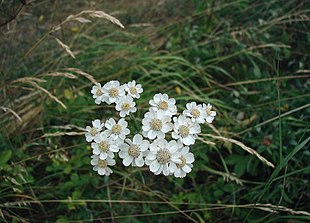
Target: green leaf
pixel 5 156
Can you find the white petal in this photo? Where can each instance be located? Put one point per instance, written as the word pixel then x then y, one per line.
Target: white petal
pixel 189 158
pixel 166 171
pixel 123 154
pixel 103 156
pixel 186 168
pixel 127 161
pixel 185 150
pixel 139 162
pixel 94 162
pixel 189 140
pixel 151 134
pixel 101 171
pixel 96 151
pixel 172 167
pixel 154 166
pixel 114 148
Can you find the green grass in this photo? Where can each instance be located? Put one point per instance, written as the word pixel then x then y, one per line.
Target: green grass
pixel 250 59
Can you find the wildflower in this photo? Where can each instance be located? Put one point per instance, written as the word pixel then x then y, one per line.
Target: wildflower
pixel 156 124
pixel 132 152
pixel 161 102
pixel 102 165
pixel 162 155
pixel 97 92
pixel 125 105
pixel 117 131
pixel 113 91
pixel 210 115
pixel 104 146
pixel 93 131
pixel 195 112
pixel 133 89
pixel 187 158
pixel 185 130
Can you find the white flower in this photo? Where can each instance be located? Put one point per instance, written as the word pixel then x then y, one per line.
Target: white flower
pixel 185 130
pixel 133 89
pixel 125 105
pixel 196 112
pixel 187 158
pixel 117 131
pixel 161 102
pixel 102 166
pixel 162 156
pixel 132 152
pixel 113 91
pixel 104 146
pixel 156 124
pixel 93 131
pixel 210 115
pixel 97 92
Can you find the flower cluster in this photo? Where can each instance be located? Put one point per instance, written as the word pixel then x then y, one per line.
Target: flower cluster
pixel 164 141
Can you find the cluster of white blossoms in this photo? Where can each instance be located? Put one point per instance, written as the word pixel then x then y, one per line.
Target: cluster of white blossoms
pixel 165 136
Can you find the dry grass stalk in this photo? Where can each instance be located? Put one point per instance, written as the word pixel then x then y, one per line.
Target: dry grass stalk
pixel 82 73
pixel 68 127
pixel 206 141
pixel 282 208
pixel 48 93
pixel 55 134
pixel 28 79
pixel 214 129
pixel 97 14
pixel 5 109
pixel 244 147
pixel 65 47
pixel 61 74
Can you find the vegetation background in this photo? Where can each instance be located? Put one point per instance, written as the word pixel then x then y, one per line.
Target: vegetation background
pixel 250 59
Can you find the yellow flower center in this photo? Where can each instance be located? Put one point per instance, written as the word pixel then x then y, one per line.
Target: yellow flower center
pixel 183 131
pixel 156 124
pixel 113 92
pixel 125 106
pixel 195 113
pixel 183 162
pixel 163 105
pixel 99 92
pixel 93 131
pixel 104 146
pixel 133 151
pixel 208 111
pixel 116 129
pixel 102 163
pixel 163 156
pixel 133 90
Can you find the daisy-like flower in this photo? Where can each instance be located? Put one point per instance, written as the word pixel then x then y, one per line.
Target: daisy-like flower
pixel 162 102
pixel 185 130
pixel 97 92
pixel 91 132
pixel 117 131
pixel 132 152
pixel 162 156
pixel 156 124
pixel 210 115
pixel 196 112
pixel 113 91
pixel 133 89
pixel 104 146
pixel 102 166
pixel 125 105
pixel 187 158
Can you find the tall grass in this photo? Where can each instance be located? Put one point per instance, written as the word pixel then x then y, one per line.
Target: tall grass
pixel 249 59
